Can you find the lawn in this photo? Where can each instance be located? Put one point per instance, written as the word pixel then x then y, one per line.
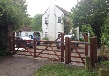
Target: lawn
pixel 64 70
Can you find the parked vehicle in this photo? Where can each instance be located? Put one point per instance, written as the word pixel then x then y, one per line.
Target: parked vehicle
pixel 26 41
pixel 58 44
pixel 38 43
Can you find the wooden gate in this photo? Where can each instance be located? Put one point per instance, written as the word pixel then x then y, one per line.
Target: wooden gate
pixel 76 54
pixel 46 50
pixel 71 53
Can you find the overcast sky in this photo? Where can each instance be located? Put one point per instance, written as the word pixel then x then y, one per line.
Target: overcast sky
pixel 40 6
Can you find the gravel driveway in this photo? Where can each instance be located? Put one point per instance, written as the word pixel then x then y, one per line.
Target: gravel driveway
pixel 20 66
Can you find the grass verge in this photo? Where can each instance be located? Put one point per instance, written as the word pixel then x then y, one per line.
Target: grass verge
pixel 63 70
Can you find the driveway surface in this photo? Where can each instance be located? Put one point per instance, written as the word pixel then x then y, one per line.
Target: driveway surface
pixel 20 66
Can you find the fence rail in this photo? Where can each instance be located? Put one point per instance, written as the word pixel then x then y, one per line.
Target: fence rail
pixel 67 49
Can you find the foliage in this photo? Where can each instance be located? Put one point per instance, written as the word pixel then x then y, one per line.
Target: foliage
pixel 45 38
pixel 67 24
pixel 91 12
pixel 12 14
pixel 81 39
pixel 87 29
pixel 63 70
pixel 105 33
pixel 105 63
pixel 37 22
pixel 28 21
pixel 3 50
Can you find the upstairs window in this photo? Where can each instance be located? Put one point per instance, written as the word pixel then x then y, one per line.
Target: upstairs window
pixel 59 19
pixel 46 20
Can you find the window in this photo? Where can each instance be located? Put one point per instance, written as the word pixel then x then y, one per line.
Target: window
pixel 58 34
pixel 17 33
pixel 45 34
pixel 46 20
pixel 26 33
pixel 59 19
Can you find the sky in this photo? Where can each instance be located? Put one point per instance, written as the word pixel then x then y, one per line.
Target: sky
pixel 40 6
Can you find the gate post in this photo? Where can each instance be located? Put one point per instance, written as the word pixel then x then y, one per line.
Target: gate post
pixel 13 41
pixel 93 50
pixel 96 46
pixel 62 47
pixel 86 45
pixel 10 44
pixel 34 47
pixel 67 50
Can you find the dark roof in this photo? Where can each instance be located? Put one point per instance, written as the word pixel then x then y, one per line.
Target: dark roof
pixel 63 10
pixel 25 28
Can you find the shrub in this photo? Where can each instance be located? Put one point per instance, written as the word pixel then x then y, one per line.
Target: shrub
pixel 81 39
pixel 3 50
pixel 45 38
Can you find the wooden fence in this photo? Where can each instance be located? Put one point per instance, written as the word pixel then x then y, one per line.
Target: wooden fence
pixel 65 55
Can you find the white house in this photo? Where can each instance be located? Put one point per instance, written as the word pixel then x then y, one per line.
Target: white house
pixel 52 23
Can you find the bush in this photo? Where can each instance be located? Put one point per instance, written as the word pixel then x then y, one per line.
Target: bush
pixel 102 58
pixel 81 39
pixel 3 50
pixel 45 38
pixel 105 63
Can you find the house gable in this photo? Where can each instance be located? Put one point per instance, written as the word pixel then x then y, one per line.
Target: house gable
pixel 63 10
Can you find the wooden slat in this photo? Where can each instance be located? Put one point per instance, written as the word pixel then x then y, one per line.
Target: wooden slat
pixel 39 49
pixel 53 59
pixel 78 57
pixel 57 50
pixel 78 52
pixel 48 53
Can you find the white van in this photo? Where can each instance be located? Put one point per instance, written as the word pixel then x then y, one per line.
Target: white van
pixel 59 41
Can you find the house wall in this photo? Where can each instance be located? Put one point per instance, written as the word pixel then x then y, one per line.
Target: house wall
pixel 59 26
pixel 44 26
pixel 27 33
pixel 53 27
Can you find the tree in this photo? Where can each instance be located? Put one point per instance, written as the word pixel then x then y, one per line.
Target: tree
pixel 87 29
pixel 37 22
pixel 105 33
pixel 68 25
pixel 28 21
pixel 91 12
pixel 13 15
